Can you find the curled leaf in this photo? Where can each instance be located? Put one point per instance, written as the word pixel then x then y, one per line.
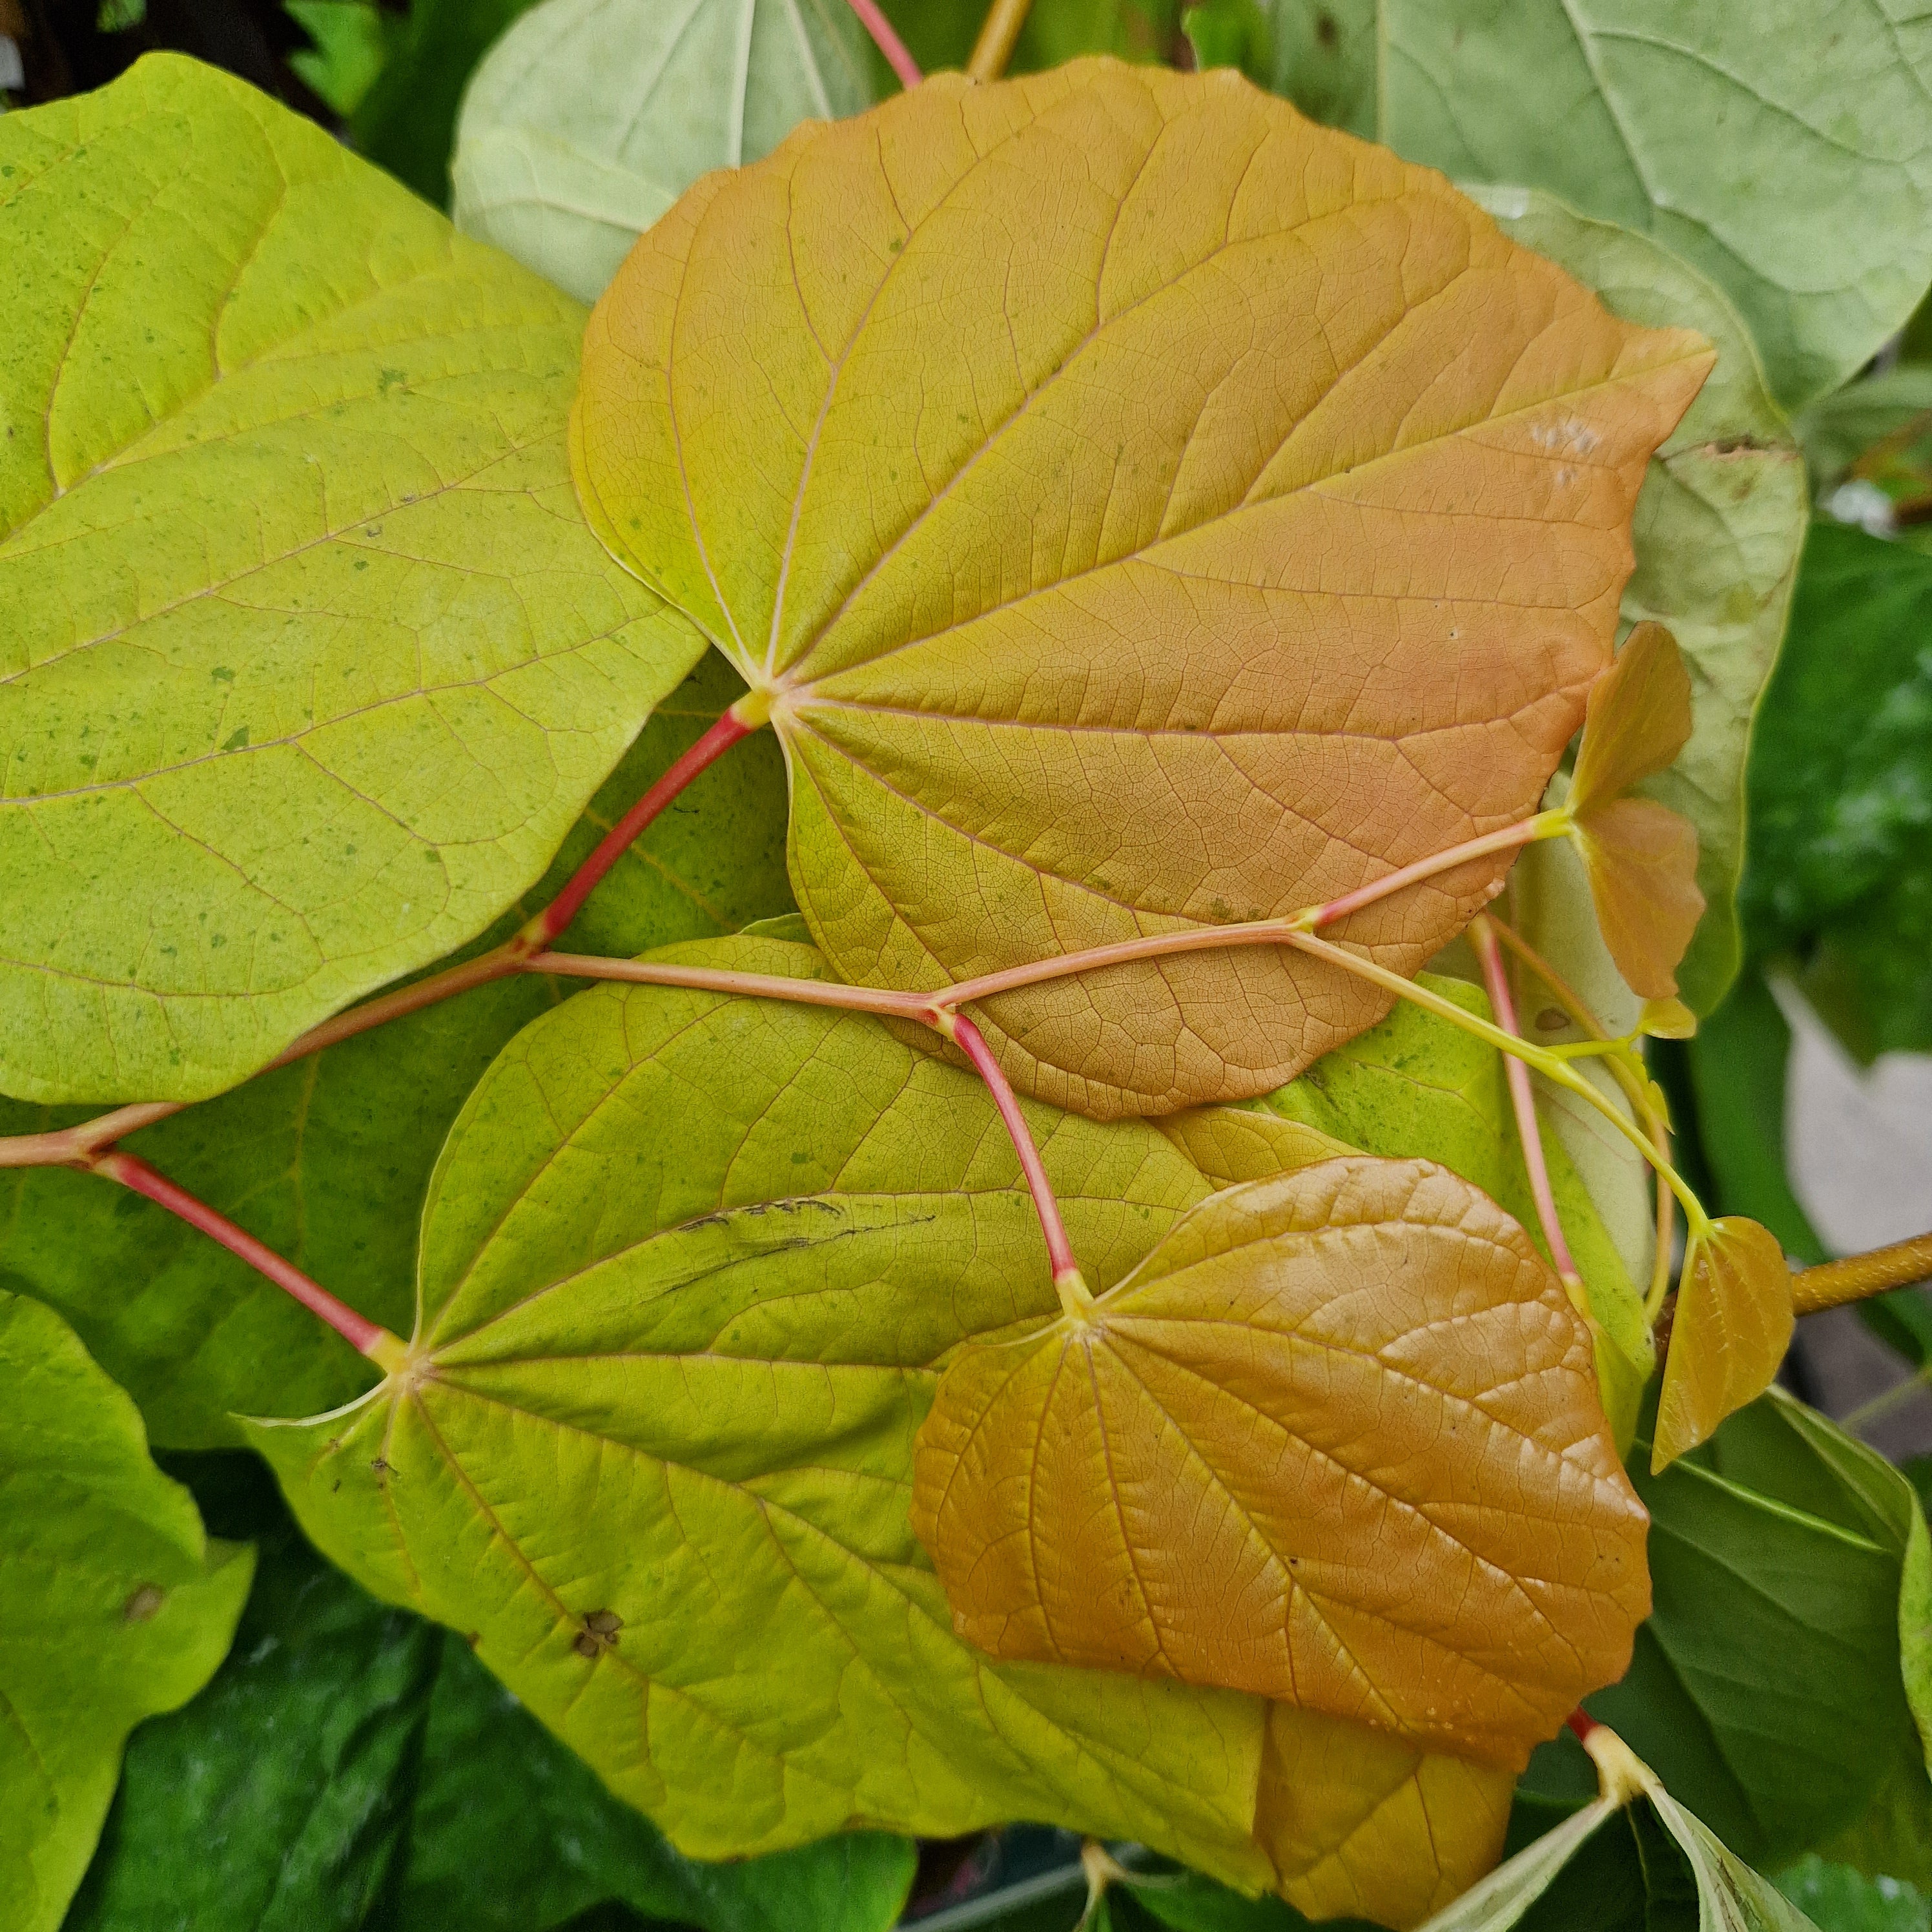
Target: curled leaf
pixel 1668 1019
pixel 1147 510
pixel 1641 860
pixel 1733 1323
pixel 1336 1440
pixel 1361 1824
pixel 1637 720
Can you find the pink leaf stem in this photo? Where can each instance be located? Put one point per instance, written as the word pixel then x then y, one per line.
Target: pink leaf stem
pixel 888 43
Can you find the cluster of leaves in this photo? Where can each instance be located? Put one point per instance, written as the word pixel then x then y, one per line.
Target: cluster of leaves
pixel 1058 553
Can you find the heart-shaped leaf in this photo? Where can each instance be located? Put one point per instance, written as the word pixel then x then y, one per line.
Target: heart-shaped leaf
pixel 1336 1440
pixel 589 118
pixel 309 662
pixel 114 1604
pixel 1733 1323
pixel 687 1262
pixel 1362 1826
pixel 1247 521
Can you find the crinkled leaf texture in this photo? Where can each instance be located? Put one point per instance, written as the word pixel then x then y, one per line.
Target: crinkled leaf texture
pixel 115 1604
pixel 687 1262
pixel 589 118
pixel 310 662
pixel 1336 1440
pixel 1244 519
pixel 1719 525
pixel 327 1160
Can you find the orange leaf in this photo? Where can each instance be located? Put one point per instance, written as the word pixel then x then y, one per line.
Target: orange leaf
pixel 1336 1440
pixel 1145 508
pixel 1641 860
pixel 1638 720
pixel 1733 1323
pixel 1359 1824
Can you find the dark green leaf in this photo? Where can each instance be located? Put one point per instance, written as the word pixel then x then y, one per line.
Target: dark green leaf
pixel 1837 1898
pixel 514 1833
pixel 1841 790
pixel 1737 1060
pixel 1771 1661
pixel 276 1801
pixel 327 1160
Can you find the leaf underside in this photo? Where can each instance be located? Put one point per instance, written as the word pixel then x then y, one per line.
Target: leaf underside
pixel 310 662
pixel 1248 520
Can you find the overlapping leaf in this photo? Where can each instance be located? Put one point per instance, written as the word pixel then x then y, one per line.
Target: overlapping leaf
pixel 1362 1826
pixel 327 1161
pixel 1247 521
pixel 1415 1085
pixel 114 1604
pixel 589 118
pixel 310 662
pixel 1719 525
pixel 687 1263
pixel 1781 148
pixel 1336 1440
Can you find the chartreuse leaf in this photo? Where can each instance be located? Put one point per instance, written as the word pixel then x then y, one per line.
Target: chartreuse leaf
pixel 1414 1085
pixel 1062 655
pixel 310 662
pixel 1361 1824
pixel 1798 185
pixel 114 1604
pixel 327 1161
pixel 510 1832
pixel 1768 1685
pixel 589 118
pixel 281 1797
pixel 1336 1440
pixel 687 1262
pixel 1719 525
pixel 1733 1323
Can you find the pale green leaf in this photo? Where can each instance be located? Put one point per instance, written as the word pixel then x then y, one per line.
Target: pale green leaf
pixel 114 1604
pixel 589 118
pixel 310 662
pixel 1731 1897
pixel 1719 525
pixel 1499 1901
pixel 687 1262
pixel 1782 147
pixel 327 1161
pixel 1837 429
pixel 1415 1085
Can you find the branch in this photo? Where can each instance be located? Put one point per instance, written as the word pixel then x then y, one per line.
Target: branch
pixel 998 32
pixel 1832 1284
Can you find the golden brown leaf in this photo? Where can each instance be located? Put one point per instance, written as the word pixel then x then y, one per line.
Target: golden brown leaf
pixel 1733 1323
pixel 1641 860
pixel 1145 509
pixel 1336 1440
pixel 1359 1824
pixel 1637 721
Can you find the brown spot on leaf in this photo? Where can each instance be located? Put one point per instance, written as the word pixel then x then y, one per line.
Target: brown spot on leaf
pixel 143 1604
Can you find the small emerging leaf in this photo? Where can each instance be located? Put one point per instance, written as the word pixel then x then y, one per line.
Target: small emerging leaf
pixel 1360 1825
pixel 1148 510
pixel 1637 721
pixel 1667 1018
pixel 1733 1323
pixel 1336 1440
pixel 1642 861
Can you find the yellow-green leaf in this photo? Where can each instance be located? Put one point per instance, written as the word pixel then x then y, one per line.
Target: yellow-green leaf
pixel 309 662
pixel 1246 520
pixel 1361 1826
pixel 114 1604
pixel 687 1262
pixel 1336 1440
pixel 1733 1325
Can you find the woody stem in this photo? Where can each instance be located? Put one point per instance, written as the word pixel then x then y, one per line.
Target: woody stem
pixel 1831 1284
pixel 1523 1100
